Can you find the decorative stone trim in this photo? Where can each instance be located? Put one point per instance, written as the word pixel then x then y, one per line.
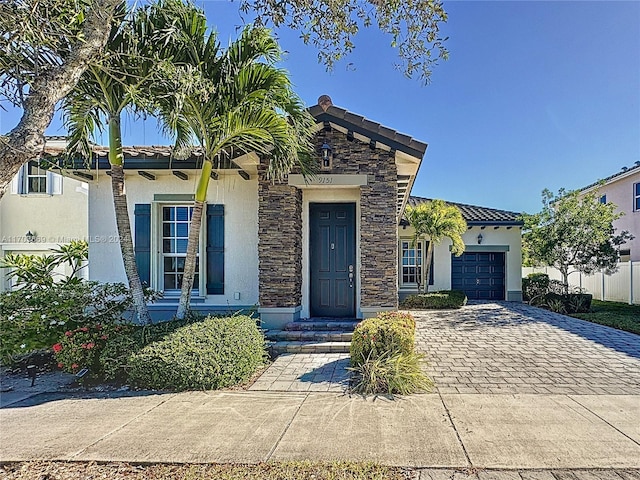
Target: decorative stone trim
pixel 279 243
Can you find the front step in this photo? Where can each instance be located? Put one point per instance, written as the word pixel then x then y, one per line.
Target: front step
pixel 313 335
pixel 309 347
pixel 309 335
pixel 322 325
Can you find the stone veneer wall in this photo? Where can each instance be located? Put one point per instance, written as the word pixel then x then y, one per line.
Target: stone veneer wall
pixel 378 218
pixel 279 243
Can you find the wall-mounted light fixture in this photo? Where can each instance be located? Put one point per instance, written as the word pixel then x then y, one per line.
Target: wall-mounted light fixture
pixel 326 155
pixel 480 237
pixel 31 237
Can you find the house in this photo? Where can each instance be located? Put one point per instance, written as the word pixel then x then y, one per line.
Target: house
pixel 623 189
pixel 490 267
pixel 42 210
pixel 327 246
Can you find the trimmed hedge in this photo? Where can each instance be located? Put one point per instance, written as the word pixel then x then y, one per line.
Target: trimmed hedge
pixel 436 300
pixel 212 354
pixel 387 334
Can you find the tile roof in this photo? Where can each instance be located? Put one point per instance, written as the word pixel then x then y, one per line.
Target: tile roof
pixel 326 111
pixel 624 171
pixel 475 215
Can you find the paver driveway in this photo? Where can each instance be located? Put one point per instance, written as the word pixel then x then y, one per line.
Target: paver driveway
pixel 507 347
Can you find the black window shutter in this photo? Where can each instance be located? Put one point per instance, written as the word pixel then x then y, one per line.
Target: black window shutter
pixel 142 242
pixel 215 249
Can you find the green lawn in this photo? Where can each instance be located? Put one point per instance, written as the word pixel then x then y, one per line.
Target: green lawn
pixel 613 314
pixel 262 471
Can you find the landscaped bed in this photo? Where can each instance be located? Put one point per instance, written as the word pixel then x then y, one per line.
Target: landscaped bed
pixel 613 314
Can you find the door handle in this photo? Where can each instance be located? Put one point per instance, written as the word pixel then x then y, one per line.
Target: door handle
pixel 350 276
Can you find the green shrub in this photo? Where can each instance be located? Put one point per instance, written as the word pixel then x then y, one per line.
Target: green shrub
pixel 398 373
pixel 48 304
pixel 400 317
pixel 35 318
pixel 114 357
pixel 388 333
pixel 566 303
pixel 82 348
pixel 534 286
pixel 214 353
pixel 436 300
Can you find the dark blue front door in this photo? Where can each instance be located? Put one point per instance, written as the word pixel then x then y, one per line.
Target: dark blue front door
pixel 332 244
pixel 479 275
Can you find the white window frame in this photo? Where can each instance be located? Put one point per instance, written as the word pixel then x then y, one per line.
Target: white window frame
pixel 21 184
pixel 422 244
pixel 636 197
pixel 418 258
pixel 157 263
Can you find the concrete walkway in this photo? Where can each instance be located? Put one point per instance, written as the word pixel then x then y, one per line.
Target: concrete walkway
pixel 432 430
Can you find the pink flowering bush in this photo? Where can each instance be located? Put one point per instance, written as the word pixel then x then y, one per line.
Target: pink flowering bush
pixel 81 347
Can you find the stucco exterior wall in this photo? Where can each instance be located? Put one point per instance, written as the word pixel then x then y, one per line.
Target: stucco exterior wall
pixel 620 191
pixel 499 237
pixel 54 219
pixel 240 198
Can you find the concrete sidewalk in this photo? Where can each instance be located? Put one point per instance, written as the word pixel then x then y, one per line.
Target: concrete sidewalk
pixel 432 430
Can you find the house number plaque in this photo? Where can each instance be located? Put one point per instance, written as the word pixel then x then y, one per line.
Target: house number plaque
pixel 334 180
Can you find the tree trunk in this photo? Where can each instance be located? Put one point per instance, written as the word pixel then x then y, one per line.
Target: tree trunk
pixel 565 280
pixel 190 261
pixel 194 237
pixel 26 141
pixel 122 221
pixel 427 265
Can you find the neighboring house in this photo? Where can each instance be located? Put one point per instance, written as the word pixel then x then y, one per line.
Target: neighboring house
pixel 41 210
pixel 623 189
pixel 327 246
pixel 489 269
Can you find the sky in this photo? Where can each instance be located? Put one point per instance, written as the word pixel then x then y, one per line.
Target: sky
pixel 534 95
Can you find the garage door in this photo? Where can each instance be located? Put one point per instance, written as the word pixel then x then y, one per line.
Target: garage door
pixel 479 275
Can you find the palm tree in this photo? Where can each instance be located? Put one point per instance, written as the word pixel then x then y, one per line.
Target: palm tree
pixel 230 103
pixel 127 80
pixel 436 220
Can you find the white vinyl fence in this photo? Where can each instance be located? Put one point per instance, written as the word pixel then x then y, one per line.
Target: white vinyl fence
pixel 622 286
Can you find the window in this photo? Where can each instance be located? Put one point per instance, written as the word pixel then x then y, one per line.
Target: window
pixel 34 180
pixel 603 199
pixel 168 237
pixel 636 197
pixel 175 234
pixel 412 261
